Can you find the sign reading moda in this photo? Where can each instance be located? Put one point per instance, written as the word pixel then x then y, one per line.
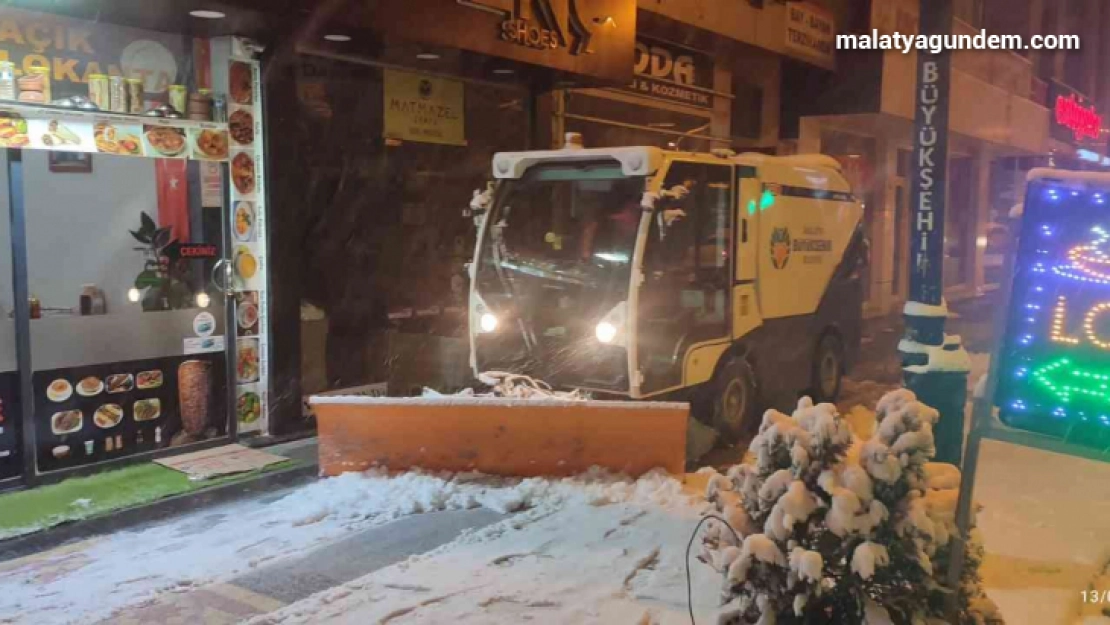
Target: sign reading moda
pixel 673 73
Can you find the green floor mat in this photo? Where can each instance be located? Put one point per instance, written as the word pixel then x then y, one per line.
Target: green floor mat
pixel 27 511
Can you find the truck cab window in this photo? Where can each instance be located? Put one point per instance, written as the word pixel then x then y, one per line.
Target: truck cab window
pixel 687 262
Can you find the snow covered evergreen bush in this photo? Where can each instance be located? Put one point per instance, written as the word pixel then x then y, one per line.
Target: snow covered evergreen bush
pixel 837 530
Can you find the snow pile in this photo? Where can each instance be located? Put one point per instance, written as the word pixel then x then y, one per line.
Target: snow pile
pixel 516 386
pixel 950 356
pixel 833 527
pixel 378 495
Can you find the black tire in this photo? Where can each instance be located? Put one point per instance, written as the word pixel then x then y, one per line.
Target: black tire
pixel 827 369
pixel 733 401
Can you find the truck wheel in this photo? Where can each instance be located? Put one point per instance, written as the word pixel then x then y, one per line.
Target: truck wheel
pixel 734 399
pixel 828 369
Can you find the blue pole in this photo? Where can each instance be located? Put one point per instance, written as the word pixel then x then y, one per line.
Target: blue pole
pixel 928 370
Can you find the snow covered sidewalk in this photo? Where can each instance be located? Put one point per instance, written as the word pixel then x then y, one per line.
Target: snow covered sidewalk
pixel 1044 525
pixel 579 549
pixel 592 549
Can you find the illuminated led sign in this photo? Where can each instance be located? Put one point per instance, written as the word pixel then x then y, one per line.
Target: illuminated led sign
pixel 1054 369
pixel 1083 121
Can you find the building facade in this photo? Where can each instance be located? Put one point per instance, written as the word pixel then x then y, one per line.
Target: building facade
pixel 1009 113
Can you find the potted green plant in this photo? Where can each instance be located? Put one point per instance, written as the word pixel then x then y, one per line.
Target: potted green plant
pixel 161 282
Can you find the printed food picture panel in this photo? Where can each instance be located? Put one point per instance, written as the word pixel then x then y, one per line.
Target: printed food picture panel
pixel 165 141
pixel 1054 368
pixel 61 134
pixel 48 129
pixel 248 229
pixel 93 413
pixel 119 139
pixel 208 144
pixel 11 439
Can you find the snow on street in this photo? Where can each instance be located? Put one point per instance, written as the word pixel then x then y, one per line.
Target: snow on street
pixel 596 529
pixel 594 551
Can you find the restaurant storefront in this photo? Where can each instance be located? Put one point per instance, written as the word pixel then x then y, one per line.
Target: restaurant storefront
pixel 133 244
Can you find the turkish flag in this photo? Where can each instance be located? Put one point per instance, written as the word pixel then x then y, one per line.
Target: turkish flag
pixel 173 196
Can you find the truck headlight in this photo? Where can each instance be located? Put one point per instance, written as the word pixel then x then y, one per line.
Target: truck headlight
pixel 487 322
pixel 605 332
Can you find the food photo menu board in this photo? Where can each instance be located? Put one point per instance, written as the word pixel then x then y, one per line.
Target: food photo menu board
pixel 66 130
pixel 11 439
pixel 248 228
pixel 102 412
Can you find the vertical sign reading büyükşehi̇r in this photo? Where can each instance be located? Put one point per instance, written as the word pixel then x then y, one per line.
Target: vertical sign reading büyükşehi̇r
pixel 930 166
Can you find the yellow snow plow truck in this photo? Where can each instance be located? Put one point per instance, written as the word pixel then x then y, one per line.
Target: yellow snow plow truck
pixel 729 281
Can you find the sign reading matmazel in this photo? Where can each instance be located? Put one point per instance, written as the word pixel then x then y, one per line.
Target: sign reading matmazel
pixel 423 108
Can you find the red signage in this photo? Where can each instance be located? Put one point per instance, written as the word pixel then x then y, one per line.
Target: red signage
pixel 1082 121
pixel 198 250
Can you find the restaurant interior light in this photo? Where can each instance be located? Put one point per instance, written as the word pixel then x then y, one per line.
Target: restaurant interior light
pixel 338 38
pixel 203 299
pixel 427 56
pixel 504 70
pixel 133 294
pixel 205 14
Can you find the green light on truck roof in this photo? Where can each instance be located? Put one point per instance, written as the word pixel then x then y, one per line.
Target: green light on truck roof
pixel 767 200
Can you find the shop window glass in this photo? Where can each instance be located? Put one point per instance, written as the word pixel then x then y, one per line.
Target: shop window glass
pixel 122 312
pixel 959 222
pixel 10 417
pixel 687 264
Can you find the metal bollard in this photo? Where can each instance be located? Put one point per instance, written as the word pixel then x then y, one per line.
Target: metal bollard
pixel 947 392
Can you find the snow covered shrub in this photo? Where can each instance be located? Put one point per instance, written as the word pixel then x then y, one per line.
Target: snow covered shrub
pixel 836 530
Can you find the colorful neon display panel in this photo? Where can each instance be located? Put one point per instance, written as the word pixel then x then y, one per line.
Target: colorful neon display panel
pixel 1054 369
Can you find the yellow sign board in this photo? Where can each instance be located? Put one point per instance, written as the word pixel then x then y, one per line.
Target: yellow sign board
pixel 423 108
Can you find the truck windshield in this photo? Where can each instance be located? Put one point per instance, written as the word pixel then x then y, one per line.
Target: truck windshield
pixel 572 224
pixel 558 246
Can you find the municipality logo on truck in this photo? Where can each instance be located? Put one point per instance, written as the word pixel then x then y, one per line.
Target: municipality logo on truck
pixel 780 247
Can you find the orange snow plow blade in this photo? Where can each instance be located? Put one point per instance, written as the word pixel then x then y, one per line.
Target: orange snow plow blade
pixel 499 436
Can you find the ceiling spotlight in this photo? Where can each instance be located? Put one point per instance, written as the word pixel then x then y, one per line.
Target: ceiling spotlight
pixel 208 15
pixel 427 56
pixel 339 38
